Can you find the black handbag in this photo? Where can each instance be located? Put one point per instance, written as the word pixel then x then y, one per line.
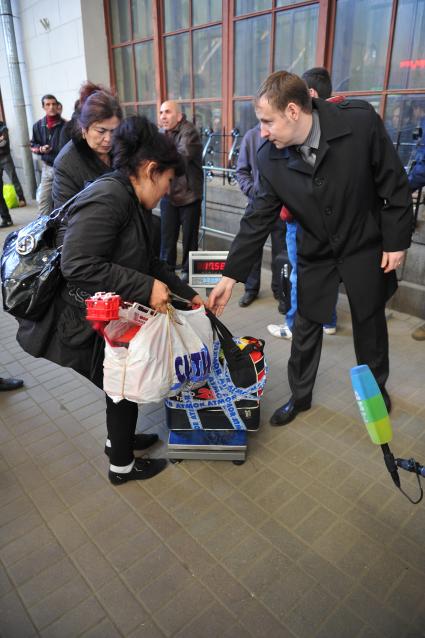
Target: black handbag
pixel 30 266
pixel 244 355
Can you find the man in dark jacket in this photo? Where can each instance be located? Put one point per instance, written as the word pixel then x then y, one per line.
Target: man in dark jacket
pixel 182 207
pixel 334 167
pixel 6 164
pixel 247 177
pixel 45 142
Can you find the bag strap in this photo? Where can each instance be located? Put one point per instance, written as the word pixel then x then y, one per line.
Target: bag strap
pixel 225 336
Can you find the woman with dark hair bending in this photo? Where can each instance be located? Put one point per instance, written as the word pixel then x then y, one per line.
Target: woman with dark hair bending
pixel 108 246
pixel 87 155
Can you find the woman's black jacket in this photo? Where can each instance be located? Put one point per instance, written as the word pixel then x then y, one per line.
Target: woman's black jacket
pixel 107 247
pixel 76 166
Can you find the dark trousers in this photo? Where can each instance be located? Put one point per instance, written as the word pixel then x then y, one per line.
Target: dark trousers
pixel 370 345
pixel 277 236
pixel 6 164
pixel 4 211
pixel 172 217
pixel 121 421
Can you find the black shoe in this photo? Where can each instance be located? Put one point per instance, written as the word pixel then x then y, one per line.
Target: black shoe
pixel 5 223
pixel 141 442
pixel 247 299
pixel 387 399
pixel 288 412
pixel 142 470
pixel 275 295
pixel 10 384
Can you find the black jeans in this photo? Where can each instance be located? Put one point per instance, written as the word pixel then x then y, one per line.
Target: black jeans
pixel 121 421
pixel 277 236
pixel 370 345
pixel 6 164
pixel 4 211
pixel 172 217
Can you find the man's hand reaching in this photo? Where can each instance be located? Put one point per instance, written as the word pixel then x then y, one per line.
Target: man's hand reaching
pixel 220 295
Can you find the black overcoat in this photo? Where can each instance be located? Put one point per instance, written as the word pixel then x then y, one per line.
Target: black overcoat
pixel 353 205
pixel 107 247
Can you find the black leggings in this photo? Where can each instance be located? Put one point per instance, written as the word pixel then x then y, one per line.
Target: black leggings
pixel 121 421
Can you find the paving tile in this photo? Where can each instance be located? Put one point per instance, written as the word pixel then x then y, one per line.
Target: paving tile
pixel 68 531
pixel 342 624
pixel 14 454
pixel 370 609
pixel 294 511
pixel 93 565
pixel 59 602
pixel 160 521
pixel 190 553
pixel 32 564
pixel 18 535
pixel 147 630
pixel 123 608
pixel 149 567
pixel 127 527
pixel 63 465
pixel 104 629
pixel 29 475
pixel 160 591
pixel 286 541
pixel 134 548
pixel 180 610
pixel 74 622
pixel 47 502
pixel 211 623
pixel 330 577
pixel 249 552
pixel 47 581
pixel 14 509
pixel 312 610
pixel 14 620
pixel 106 518
pixel 5 583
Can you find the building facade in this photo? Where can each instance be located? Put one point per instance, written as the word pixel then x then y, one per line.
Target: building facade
pixel 211 55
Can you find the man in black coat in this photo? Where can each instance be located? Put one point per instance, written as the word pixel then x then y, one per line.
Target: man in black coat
pixel 334 167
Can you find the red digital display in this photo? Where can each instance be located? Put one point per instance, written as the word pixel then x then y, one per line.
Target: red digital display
pixel 208 267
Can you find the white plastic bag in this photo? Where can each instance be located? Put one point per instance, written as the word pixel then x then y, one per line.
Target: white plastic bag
pixel 169 353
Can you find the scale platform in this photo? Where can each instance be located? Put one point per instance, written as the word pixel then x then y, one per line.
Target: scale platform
pixel 209 445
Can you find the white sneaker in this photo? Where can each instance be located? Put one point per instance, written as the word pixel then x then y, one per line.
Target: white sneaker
pixel 330 330
pixel 282 331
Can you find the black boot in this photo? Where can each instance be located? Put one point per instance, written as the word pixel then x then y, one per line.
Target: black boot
pixel 142 470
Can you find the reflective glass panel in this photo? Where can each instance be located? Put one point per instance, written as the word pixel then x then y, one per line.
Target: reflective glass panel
pixel 207 62
pixel 244 115
pixel 176 15
pixel 252 54
pixel 177 66
pixel 408 58
pixel 208 115
pixel 204 11
pixel 120 21
pixel 141 11
pixel 124 76
pixel 286 3
pixel 361 42
pixel 186 108
pixel 296 35
pixel 149 110
pixel 145 77
pixel 403 114
pixel 249 6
